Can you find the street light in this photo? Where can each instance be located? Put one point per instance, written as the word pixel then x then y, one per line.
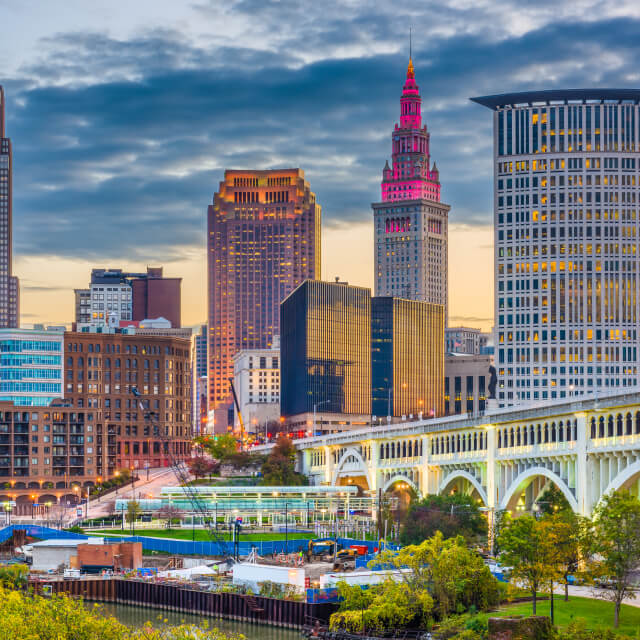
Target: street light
pixel 315 406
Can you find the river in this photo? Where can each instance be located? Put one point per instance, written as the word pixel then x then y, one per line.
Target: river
pixel 137 616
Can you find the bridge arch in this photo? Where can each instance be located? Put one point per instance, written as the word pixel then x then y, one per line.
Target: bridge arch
pixel 525 479
pixel 459 473
pixel 400 478
pixel 623 479
pixel 351 452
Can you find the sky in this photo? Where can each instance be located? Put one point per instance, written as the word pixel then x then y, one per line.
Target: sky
pixel 124 115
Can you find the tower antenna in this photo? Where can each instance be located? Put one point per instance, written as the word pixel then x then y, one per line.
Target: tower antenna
pixel 410 43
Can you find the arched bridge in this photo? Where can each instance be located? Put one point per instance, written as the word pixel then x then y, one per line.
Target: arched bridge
pixel 505 459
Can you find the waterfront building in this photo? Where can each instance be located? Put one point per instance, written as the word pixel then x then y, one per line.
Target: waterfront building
pixel 407 358
pixel 566 176
pixel 263 241
pixel 100 370
pixel 115 296
pixel 465 340
pixel 257 385
pixel 410 222
pixel 466 383
pixel 49 454
pixel 31 366
pixel 326 356
pixel 9 285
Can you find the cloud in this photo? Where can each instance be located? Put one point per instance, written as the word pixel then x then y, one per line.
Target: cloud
pixel 119 143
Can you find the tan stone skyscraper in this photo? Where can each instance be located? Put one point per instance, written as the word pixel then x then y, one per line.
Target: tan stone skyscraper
pixel 263 241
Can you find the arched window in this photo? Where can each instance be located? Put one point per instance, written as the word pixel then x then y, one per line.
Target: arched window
pixel 560 431
pixel 381 452
pixel 629 425
pixel 637 430
pixel 610 427
pixel 546 432
pixel 518 436
pixel 499 439
pixel 475 441
pixel 512 439
pixel 619 424
pixel 420 447
pixel 553 432
pixel 593 428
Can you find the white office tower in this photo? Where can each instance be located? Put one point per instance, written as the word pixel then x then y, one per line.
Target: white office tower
pixel 566 176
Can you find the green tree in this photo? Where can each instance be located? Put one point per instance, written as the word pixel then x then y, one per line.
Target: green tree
pixel 133 511
pixel 551 501
pixel 201 466
pixel 452 515
pixel 617 542
pixel 220 447
pixel 526 548
pixel 278 470
pixel 14 576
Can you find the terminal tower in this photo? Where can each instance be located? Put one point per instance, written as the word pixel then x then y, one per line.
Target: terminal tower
pixel 410 222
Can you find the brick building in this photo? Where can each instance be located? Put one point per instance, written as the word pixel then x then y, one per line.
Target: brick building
pixel 101 369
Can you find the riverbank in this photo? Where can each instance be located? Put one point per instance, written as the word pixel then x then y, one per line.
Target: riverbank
pixel 138 616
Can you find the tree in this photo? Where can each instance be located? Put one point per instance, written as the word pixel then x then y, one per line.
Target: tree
pixel 220 447
pixel 278 469
pixel 133 511
pixel 452 515
pixel 201 466
pixel 552 500
pixel 169 513
pixel 617 541
pixel 526 548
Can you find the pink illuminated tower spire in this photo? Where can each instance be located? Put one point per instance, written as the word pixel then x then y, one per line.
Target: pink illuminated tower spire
pixel 411 223
pixel 411 177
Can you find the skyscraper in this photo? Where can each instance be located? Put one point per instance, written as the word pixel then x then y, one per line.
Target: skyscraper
pixel 263 241
pixel 9 286
pixel 410 223
pixel 567 269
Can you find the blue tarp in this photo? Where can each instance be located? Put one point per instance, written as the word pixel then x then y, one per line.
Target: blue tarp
pixel 35 531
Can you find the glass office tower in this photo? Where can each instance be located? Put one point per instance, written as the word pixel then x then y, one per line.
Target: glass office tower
pixel 567 271
pixel 326 349
pixel 407 358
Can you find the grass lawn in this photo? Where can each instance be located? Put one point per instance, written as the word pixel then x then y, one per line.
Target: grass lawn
pixel 596 613
pixel 203 536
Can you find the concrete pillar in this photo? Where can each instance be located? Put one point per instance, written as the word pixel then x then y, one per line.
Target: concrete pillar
pixel 328 467
pixel 425 461
pixel 492 488
pixel 581 483
pixel 373 465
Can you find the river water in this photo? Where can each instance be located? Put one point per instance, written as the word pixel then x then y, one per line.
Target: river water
pixel 138 616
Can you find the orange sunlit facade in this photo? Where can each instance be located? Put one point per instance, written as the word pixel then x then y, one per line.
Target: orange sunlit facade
pixel 263 241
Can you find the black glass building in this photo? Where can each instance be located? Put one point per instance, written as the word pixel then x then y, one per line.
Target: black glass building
pixel 407 357
pixel 325 348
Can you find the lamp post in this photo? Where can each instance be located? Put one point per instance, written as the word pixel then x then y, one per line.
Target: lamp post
pixel 116 475
pixel 315 406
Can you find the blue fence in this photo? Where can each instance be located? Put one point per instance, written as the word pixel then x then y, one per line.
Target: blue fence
pixel 35 531
pixel 188 547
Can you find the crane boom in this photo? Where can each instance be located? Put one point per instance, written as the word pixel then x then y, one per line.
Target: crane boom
pixel 181 473
pixel 235 399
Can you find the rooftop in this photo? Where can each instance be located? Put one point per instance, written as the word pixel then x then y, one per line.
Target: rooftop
pixel 558 96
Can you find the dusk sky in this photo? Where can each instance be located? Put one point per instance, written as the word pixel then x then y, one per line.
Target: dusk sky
pixel 124 115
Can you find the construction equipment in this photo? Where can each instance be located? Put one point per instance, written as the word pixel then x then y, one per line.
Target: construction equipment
pixel 321 550
pixel 182 475
pixel 345 560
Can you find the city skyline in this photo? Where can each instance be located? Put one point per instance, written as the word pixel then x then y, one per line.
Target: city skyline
pixel 85 160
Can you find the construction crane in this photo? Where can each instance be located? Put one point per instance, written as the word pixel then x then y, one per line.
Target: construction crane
pixel 235 399
pixel 182 475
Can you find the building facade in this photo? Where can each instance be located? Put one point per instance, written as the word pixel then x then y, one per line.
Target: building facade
pixel 407 358
pixel 199 380
pixel 263 241
pixel 100 371
pixel 257 385
pixel 9 285
pixel 115 296
pixel 325 345
pixel 49 454
pixel 466 383
pixel 566 175
pixel 465 340
pixel 410 222
pixel 31 366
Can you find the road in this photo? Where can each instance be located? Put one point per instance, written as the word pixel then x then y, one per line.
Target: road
pixel 158 478
pixel 592 592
